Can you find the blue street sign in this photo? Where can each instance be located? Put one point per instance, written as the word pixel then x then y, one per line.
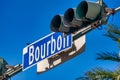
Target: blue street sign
pixel 44 48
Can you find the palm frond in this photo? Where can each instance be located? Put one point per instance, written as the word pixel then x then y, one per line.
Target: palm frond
pixel 113 32
pixel 113 37
pixel 100 73
pixel 113 28
pixel 108 56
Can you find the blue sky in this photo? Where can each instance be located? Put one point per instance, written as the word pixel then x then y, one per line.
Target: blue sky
pixel 25 21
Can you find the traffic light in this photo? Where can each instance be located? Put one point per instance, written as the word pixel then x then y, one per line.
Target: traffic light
pixel 88 10
pixel 57 24
pixel 70 19
pixel 84 14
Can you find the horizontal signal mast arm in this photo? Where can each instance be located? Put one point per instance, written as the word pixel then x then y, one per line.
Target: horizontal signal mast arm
pixel 112 11
pixel 11 72
pixel 117 9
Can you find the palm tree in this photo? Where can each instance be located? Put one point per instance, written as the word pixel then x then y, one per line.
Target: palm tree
pixel 113 32
pixel 112 56
pixel 101 74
